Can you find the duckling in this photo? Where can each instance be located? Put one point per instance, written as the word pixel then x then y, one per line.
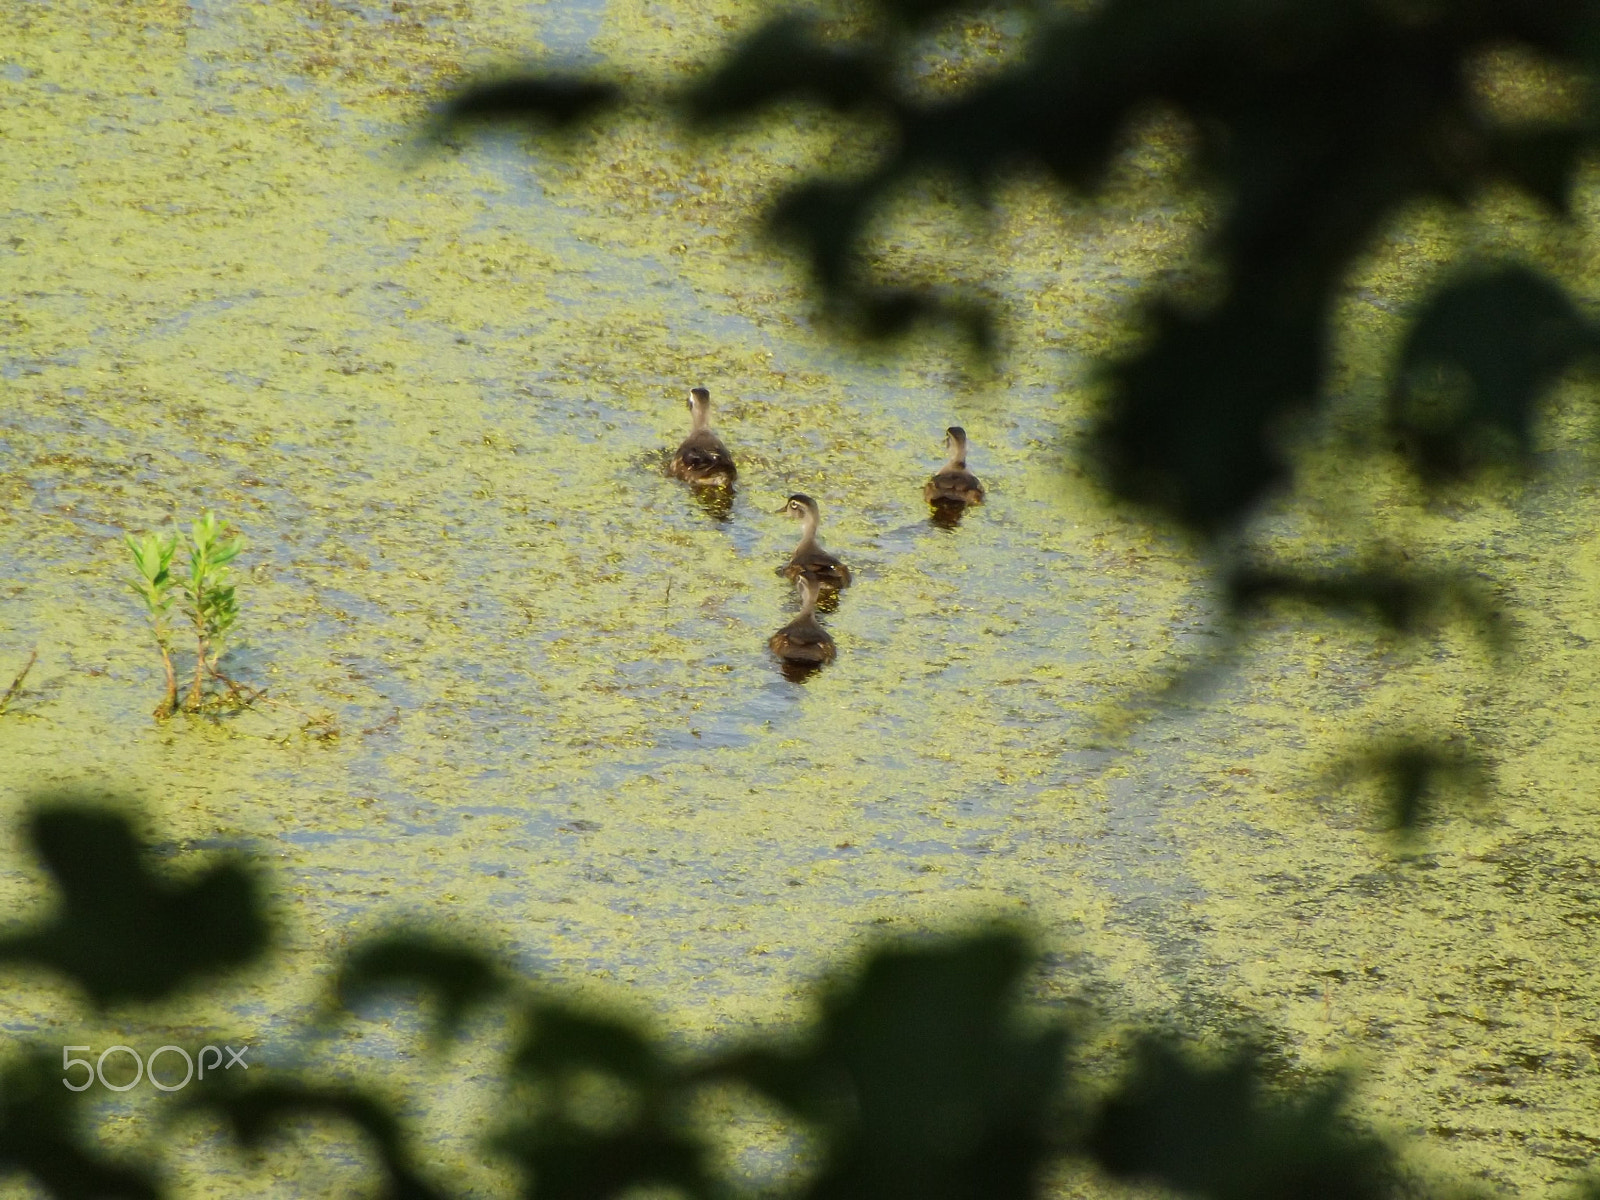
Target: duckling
pixel 954 484
pixel 802 640
pixel 810 560
pixel 702 459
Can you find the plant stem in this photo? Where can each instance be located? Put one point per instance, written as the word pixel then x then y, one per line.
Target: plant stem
pixel 241 694
pixel 16 684
pixel 169 705
pixel 193 704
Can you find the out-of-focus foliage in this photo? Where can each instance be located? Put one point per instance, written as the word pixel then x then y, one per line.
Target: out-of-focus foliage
pixel 1315 121
pixel 921 1076
pixel 1419 776
pixel 1210 1130
pixel 924 1074
pixel 1477 362
pixel 572 1143
pixel 122 932
pixel 40 1136
pixel 253 1111
pixel 553 101
pixel 455 978
pixel 1398 597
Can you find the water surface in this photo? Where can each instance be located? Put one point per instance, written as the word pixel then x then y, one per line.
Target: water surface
pixel 433 391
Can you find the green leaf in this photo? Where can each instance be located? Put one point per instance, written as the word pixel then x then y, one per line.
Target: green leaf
pixel 564 1038
pixel 568 1161
pixel 786 58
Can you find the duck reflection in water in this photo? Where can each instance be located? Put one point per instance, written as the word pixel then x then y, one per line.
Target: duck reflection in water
pixel 715 502
pixel 803 645
pixel 953 488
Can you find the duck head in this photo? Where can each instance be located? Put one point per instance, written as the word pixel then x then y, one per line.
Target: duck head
pixel 955 440
pixel 803 509
pixel 700 407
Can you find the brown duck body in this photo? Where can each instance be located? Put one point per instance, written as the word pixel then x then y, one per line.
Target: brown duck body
pixel 816 563
pixel 954 484
pixel 702 459
pixel 809 560
pixel 803 640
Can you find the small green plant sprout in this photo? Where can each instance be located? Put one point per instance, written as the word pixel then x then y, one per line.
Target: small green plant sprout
pixel 203 592
pixel 209 599
pixel 152 558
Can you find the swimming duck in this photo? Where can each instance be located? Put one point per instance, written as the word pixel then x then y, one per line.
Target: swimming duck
pixel 954 484
pixel 811 561
pixel 802 640
pixel 702 459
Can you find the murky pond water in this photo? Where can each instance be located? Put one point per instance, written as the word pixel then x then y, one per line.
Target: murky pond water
pixel 433 391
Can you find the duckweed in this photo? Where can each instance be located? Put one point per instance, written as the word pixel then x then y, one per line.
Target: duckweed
pixel 431 387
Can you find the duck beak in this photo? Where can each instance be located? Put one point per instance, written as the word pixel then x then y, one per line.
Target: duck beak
pixel 778 512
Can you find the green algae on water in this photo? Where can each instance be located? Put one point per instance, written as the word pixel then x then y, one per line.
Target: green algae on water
pixel 235 285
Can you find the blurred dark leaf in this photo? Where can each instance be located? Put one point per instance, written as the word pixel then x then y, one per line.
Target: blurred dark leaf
pixel 1213 1131
pixel 1404 600
pixel 566 1160
pixel 886 312
pixel 455 978
pixel 257 1110
pixel 1189 424
pixel 785 59
pixel 551 99
pixel 1484 351
pixel 121 931
pixel 921 1076
pixel 39 1137
pixel 823 218
pixel 1543 162
pixel 1314 122
pixel 918 14
pixel 564 1038
pixel 609 1112
pixel 1418 775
